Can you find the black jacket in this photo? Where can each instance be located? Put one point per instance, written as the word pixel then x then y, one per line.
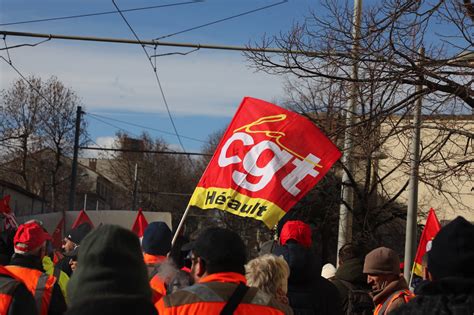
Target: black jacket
pixel 57 306
pixel 22 301
pixel 113 305
pixel 350 271
pixel 308 292
pixel 447 296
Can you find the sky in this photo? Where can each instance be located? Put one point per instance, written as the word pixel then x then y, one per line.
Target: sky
pixel 115 81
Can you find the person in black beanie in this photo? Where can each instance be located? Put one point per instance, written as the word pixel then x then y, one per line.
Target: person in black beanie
pixel 450 265
pixel 111 277
pixel 70 245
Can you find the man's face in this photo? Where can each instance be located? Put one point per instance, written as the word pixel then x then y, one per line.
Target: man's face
pixel 378 282
pixel 68 245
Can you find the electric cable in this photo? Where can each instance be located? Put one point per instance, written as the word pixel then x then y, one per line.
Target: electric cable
pixel 157 79
pixel 145 127
pixel 222 20
pixel 98 13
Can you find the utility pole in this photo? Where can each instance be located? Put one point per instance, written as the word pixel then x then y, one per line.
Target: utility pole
pixel 412 211
pixel 135 188
pixel 347 194
pixel 72 191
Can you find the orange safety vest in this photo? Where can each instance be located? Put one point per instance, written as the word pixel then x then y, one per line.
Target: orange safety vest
pixel 38 283
pixel 383 307
pixel 208 297
pixel 157 284
pixel 7 290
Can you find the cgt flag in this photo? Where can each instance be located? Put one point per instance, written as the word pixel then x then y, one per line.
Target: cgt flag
pixel 432 228
pixel 267 160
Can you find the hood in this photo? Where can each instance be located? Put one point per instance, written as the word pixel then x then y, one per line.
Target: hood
pixel 110 262
pixel 302 262
pixel 351 271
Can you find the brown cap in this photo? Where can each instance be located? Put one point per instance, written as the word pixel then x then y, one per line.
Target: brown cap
pixel 382 260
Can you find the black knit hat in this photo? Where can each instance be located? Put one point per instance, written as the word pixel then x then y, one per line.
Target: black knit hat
pixel 157 239
pixel 452 251
pixel 220 248
pixel 110 263
pixel 77 234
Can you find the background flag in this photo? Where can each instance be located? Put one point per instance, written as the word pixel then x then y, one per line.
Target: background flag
pixel 140 224
pixel 7 212
pixel 432 228
pixel 58 234
pixel 82 218
pixel 267 160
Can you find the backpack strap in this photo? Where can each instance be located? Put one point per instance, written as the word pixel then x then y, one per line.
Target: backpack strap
pixel 235 299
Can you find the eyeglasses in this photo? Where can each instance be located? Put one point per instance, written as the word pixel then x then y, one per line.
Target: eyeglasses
pixel 189 261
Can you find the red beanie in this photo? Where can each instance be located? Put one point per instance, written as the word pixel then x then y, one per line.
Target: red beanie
pixel 31 235
pixel 297 231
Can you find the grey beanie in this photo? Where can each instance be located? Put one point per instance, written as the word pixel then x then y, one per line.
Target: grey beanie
pixel 110 263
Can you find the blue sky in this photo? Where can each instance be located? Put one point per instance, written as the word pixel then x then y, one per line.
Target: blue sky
pixel 203 89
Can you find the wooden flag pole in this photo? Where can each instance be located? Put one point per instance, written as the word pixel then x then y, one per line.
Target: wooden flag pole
pixel 180 226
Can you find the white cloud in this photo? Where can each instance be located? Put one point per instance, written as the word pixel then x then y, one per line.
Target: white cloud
pixel 101 142
pixel 119 77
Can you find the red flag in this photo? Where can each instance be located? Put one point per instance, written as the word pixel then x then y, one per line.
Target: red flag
pixel 267 160
pixel 432 228
pixel 58 235
pixel 5 205
pixel 82 218
pixel 7 212
pixel 140 224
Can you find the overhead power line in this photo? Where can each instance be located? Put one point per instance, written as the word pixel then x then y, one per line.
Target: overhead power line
pixel 144 151
pixel 153 66
pixel 99 13
pixel 145 127
pixel 223 19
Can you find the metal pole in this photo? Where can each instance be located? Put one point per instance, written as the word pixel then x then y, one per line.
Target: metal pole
pixel 135 186
pixel 345 214
pixel 85 201
pixel 180 225
pixel 159 43
pixel 410 235
pixel 72 191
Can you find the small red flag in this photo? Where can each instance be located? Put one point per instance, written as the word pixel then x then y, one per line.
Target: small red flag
pixel 82 218
pixel 432 228
pixel 58 235
pixel 5 204
pixel 140 224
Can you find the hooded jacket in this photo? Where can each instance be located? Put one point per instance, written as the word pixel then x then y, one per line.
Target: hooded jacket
pixel 111 277
pixel 308 292
pixel 350 272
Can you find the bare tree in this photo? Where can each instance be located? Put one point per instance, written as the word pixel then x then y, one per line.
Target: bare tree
pixel 41 115
pixel 317 62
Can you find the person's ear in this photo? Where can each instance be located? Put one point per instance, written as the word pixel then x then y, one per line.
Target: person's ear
pixel 429 276
pixel 200 267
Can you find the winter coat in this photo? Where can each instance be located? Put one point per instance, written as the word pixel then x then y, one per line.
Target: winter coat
pixel 351 272
pixel 388 292
pixel 57 304
pixel 308 292
pixel 447 296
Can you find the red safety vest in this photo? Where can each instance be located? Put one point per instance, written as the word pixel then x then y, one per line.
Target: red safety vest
pixel 38 283
pixel 383 307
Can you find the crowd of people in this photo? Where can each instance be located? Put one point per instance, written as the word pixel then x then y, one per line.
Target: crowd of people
pixel 109 270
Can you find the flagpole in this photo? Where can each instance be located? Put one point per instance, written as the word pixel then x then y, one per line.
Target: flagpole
pixel 180 226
